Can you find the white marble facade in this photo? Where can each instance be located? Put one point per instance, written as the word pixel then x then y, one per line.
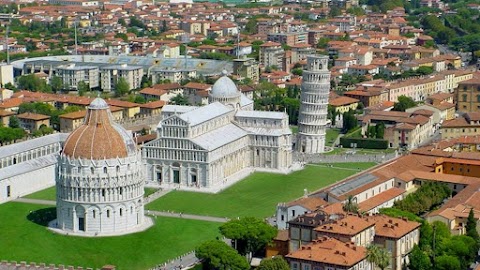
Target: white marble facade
pixel 208 148
pixel 99 178
pixel 312 118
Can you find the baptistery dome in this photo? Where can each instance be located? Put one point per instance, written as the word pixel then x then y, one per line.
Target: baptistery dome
pixel 99 179
pixel 224 88
pixel 225 91
pixel 99 137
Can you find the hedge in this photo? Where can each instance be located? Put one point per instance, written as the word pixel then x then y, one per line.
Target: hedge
pixel 367 143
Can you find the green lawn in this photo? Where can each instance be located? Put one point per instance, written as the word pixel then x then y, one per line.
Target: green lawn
pixel 24 240
pixel 331 136
pixel 149 191
pixel 50 194
pixel 46 194
pixel 257 195
pixel 361 151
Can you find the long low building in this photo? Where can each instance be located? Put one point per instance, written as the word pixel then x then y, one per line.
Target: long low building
pixel 29 166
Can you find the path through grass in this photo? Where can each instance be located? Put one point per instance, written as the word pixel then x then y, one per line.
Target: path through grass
pixel 258 194
pixel 24 240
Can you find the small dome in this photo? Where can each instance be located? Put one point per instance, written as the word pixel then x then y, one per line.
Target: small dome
pixel 99 137
pixel 224 88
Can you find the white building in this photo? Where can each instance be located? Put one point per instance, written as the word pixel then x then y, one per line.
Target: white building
pixel 72 75
pixel 312 116
pixel 110 74
pixel 6 74
pixel 28 166
pixel 99 178
pixel 208 148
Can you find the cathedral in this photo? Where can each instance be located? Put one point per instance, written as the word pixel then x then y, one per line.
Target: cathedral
pixel 211 147
pixel 99 178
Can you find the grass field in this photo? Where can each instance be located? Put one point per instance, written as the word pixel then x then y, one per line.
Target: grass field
pixel 149 191
pixel 46 194
pixel 257 195
pixel 50 194
pixel 361 151
pixel 331 136
pixel 24 240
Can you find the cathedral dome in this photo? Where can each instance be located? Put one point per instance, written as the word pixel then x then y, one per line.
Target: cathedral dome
pixel 224 88
pixel 99 137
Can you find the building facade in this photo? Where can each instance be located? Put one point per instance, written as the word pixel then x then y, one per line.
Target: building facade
pixel 312 117
pixel 210 147
pixel 99 178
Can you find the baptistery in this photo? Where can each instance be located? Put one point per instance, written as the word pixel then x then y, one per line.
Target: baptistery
pixel 99 178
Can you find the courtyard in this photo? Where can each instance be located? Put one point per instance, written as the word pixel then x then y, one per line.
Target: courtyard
pixel 258 194
pixel 24 237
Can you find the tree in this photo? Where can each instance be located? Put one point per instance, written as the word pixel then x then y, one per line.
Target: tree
pixel 122 87
pixel 372 132
pixel 82 88
pixel 249 234
pixel 13 122
pixel 404 103
pixel 380 130
pixel 419 260
pixel 56 83
pixel 471 226
pixel 378 256
pixel 216 254
pixel 349 121
pixel 447 262
pixel 350 205
pixel 179 100
pixel 275 263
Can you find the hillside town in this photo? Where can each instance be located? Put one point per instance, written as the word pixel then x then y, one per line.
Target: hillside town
pixel 294 135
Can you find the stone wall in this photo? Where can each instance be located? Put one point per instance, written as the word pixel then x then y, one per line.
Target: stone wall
pixel 5 265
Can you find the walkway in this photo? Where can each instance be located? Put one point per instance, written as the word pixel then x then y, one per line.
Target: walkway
pixel 35 201
pixel 148 212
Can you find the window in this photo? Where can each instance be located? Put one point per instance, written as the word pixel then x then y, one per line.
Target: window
pixel 108 213
pixel 282 218
pixel 94 214
pixel 103 192
pixel 105 170
pixel 121 211
pixel 293 213
pixel 92 170
pixel 464 98
pixel 9 191
pixel 478 98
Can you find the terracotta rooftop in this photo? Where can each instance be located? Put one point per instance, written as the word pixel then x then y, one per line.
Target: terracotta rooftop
pixel 98 137
pixel 380 199
pixel 153 104
pixel 33 116
pixel 460 204
pixel 330 251
pixel 349 225
pixel 310 203
pixel 390 227
pixel 341 101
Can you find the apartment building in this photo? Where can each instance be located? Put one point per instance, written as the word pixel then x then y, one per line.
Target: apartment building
pixel 33 121
pixel 467 95
pixel 288 38
pixel 109 76
pixel 271 54
pixel 72 75
pixel 466 125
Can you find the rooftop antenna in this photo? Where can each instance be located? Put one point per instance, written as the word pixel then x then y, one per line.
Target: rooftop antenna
pixel 7 47
pixel 238 42
pixel 76 41
pixel 185 41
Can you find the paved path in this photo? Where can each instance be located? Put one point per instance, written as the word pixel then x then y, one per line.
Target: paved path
pixel 333 166
pixel 186 216
pixel 148 212
pixel 35 201
pixel 157 194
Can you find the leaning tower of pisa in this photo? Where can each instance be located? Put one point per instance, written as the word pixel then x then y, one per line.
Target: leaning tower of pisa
pixel 313 108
